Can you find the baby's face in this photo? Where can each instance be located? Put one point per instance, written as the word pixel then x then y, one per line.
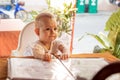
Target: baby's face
pixel 48 32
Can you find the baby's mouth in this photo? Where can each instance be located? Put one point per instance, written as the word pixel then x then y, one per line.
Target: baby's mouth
pixel 52 36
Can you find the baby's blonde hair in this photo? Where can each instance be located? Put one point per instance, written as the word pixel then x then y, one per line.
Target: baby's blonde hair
pixel 43 18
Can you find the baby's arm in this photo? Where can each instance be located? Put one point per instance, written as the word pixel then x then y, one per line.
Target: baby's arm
pixel 39 53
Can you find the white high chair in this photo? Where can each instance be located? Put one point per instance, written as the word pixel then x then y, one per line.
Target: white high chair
pixel 26 37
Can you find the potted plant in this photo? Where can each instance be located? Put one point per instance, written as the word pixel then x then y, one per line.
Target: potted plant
pixel 111 41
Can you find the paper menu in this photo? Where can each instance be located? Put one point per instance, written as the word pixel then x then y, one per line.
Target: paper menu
pixel 22 68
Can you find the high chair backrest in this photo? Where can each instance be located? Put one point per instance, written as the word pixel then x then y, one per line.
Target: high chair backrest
pixel 27 36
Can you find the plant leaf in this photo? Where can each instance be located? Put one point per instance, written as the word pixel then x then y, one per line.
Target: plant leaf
pixel 98 39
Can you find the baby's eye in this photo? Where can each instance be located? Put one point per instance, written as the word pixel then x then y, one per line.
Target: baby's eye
pixel 55 29
pixel 47 29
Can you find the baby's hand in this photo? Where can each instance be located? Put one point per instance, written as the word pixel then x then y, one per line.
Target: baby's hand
pixel 64 52
pixel 64 56
pixel 59 46
pixel 47 57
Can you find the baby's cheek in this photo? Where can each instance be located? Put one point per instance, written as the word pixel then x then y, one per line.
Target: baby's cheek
pixel 56 33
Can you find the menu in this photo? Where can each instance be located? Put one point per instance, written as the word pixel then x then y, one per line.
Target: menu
pixel 35 69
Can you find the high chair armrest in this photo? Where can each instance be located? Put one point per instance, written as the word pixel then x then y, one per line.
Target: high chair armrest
pixel 15 53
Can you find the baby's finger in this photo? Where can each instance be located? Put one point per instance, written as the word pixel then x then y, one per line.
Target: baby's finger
pixel 64 56
pixel 47 57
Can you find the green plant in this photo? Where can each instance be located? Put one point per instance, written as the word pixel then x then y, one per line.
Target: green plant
pixel 113 26
pixel 111 41
pixel 33 14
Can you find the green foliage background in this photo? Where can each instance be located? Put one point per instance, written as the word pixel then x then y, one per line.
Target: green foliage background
pixel 111 42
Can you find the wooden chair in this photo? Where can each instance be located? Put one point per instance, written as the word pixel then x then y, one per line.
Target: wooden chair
pixel 107 71
pixel 26 37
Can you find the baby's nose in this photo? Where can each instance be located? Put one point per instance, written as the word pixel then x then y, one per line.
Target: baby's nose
pixel 53 31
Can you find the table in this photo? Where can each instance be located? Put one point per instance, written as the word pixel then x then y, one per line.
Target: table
pixel 9 34
pixel 106 56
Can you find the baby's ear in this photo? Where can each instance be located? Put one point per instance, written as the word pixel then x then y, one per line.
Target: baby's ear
pixel 37 31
